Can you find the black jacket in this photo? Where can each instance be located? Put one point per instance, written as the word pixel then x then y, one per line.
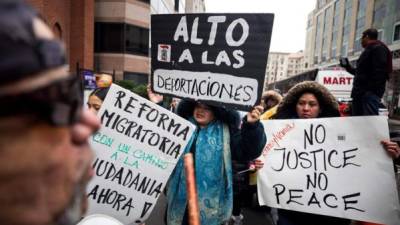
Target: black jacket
pixel 371 73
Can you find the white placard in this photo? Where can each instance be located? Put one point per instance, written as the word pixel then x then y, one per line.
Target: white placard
pixel 206 85
pixel 334 166
pixel 136 150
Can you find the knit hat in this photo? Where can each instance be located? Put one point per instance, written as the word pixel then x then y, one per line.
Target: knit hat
pixel 27 45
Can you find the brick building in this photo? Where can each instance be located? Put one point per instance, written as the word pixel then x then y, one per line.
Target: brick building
pixel 73 22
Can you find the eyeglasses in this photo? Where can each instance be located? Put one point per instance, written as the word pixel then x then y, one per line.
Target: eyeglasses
pixel 59 103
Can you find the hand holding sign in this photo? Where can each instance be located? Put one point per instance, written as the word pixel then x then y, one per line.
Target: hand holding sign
pixel 392 148
pixel 154 97
pixel 254 115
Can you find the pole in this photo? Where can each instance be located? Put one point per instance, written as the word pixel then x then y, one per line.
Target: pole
pixel 193 207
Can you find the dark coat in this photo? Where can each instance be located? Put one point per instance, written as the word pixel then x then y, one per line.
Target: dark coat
pixel 287 110
pixel 372 72
pixel 246 143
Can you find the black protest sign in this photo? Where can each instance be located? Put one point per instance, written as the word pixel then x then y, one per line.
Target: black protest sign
pixel 216 58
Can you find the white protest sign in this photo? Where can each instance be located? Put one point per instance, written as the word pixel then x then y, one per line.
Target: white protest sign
pixel 136 150
pixel 334 166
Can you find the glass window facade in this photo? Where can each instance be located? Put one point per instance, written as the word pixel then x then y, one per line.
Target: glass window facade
pixel 360 24
pixel 121 38
pixel 318 35
pixel 136 40
pixel 138 78
pixel 379 13
pixel 109 37
pixel 346 27
pixel 397 9
pixel 326 34
pixel 396 34
pixel 335 29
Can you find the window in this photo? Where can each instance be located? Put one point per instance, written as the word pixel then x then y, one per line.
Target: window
pixel 109 37
pixel 176 6
pixel 396 32
pixel 137 40
pixel 121 38
pixel 138 78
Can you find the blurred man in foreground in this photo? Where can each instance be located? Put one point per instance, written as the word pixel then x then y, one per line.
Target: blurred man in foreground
pixel 45 158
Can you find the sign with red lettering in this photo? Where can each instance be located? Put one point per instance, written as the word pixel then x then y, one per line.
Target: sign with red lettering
pixel 338 82
pixel 316 166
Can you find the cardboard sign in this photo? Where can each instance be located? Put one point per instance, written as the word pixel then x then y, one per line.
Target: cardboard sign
pixel 136 150
pixel 219 59
pixel 334 167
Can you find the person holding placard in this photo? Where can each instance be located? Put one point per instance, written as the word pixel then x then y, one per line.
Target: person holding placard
pixel 46 159
pixel 309 100
pixel 304 101
pixel 217 140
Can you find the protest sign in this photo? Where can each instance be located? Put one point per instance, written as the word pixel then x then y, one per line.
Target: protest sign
pixel 334 167
pixel 217 58
pixel 136 150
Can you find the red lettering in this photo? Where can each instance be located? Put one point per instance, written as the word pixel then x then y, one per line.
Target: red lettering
pixel 327 80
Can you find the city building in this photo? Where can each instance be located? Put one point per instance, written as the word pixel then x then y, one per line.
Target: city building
pixel 334 30
pixel 122 34
pixel 73 22
pixel 282 65
pixel 121 42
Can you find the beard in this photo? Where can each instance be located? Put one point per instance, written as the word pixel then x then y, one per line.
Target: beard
pixel 76 208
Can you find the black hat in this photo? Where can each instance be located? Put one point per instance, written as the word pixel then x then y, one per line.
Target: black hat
pixel 25 47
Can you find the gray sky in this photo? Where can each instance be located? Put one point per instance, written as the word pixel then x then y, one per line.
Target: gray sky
pixel 289 31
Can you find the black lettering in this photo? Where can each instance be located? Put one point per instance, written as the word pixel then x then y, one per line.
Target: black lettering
pixel 129 104
pixel 330 159
pixel 313 200
pixel 118 102
pixel 237 93
pixel 146 207
pixel 295 159
pixel 346 157
pixel 291 196
pixel 308 137
pixel 248 93
pixel 320 140
pixel 278 192
pixel 302 159
pixel 153 112
pixel 347 201
pixel 283 158
pixel 108 116
pixel 326 200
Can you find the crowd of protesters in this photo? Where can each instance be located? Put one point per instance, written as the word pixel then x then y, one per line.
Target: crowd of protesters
pixel 45 157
